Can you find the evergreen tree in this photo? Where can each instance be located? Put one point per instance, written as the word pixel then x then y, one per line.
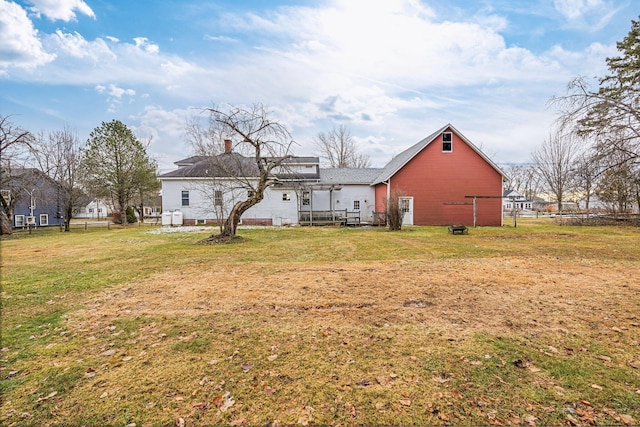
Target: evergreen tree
pixel 115 164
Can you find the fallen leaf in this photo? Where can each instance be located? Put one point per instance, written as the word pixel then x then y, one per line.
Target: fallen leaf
pixel 364 382
pixel 383 381
pixel 269 391
pixel 615 329
pixel 596 386
pixel 405 402
pixel 246 367
pixel 103 395
pixel 627 420
pixel 604 358
pixel 110 352
pixel 635 363
pixel 200 405
pixel 238 422
pixel 303 421
pixel 227 402
pixel 272 357
pixel 530 420
pixel 572 421
pixel 180 422
pixel 49 396
pixel 217 400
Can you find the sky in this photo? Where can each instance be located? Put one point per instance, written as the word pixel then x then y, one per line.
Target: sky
pixel 391 71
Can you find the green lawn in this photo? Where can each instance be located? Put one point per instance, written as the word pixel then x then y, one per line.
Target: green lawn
pixel 534 325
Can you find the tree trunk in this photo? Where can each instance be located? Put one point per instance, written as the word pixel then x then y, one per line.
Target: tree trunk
pixel 67 218
pixel 231 223
pixel 5 224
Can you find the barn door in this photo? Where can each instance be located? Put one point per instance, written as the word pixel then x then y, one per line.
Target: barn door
pixel 406 204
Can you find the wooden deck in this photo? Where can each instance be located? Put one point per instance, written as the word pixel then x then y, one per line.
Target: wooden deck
pixel 335 217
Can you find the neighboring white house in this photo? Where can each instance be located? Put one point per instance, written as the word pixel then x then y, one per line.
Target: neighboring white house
pixel 96 209
pixel 512 197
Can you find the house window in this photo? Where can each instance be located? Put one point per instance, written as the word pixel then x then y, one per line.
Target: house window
pixel 217 198
pixel 447 144
pixel 19 220
pixel 356 205
pixel 44 219
pixel 90 210
pixel 185 198
pixel 286 197
pixel 404 205
pixel 306 198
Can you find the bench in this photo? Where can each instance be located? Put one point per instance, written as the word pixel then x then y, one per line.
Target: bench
pixel 461 229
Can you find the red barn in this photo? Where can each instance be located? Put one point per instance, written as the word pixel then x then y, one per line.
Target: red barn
pixel 444 179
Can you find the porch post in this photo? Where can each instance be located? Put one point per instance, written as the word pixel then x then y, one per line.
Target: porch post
pixel 474 211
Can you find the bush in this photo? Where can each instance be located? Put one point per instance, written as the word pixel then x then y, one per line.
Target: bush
pixel 131 216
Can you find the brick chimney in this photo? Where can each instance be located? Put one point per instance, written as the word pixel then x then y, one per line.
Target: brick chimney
pixel 227 146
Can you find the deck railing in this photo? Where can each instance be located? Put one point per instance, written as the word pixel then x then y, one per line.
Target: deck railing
pixel 329 217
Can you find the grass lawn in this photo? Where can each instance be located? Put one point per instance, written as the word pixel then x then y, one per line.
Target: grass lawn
pixel 535 325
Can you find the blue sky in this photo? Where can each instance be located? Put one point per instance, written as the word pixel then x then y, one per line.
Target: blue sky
pixel 392 71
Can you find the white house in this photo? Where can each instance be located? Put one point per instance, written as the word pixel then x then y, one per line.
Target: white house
pixel 204 189
pixel 512 197
pixel 96 209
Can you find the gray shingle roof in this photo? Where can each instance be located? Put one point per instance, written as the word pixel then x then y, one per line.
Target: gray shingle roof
pixel 221 166
pixel 349 175
pixel 229 165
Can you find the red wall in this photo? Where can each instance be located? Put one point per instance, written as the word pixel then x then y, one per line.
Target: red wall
pixel 435 178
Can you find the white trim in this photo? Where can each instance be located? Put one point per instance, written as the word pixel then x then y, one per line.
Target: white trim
pixel 46 219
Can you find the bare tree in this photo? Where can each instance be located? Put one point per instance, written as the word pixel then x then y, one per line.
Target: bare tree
pixel 339 149
pixel 587 170
pixel 554 160
pixel 13 140
pixel 524 178
pixel 395 210
pixel 270 144
pixel 59 156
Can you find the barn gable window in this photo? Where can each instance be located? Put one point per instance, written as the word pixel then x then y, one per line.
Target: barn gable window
pixel 447 142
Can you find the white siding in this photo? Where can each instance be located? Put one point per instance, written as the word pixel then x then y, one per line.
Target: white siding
pixel 201 202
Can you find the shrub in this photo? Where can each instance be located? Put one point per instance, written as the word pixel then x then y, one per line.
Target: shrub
pixel 131 216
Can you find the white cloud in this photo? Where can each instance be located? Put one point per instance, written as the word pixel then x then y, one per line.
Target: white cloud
pixel 589 15
pixel 76 46
pixel 220 39
pixel 143 43
pixel 19 42
pixel 115 95
pixel 64 10
pixel 573 9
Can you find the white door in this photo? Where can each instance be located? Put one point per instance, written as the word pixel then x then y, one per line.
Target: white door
pixel 406 204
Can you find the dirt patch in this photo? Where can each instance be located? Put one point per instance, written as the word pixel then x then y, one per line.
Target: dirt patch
pixel 501 295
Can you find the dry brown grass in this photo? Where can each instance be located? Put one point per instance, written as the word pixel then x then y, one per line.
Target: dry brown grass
pixel 549 336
